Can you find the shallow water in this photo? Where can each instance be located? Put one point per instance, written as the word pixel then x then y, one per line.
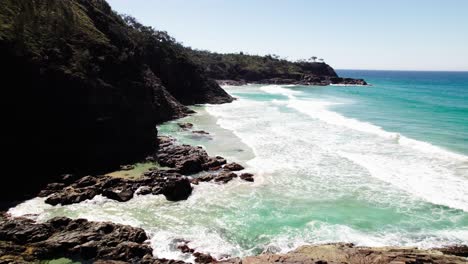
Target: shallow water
pixel 325 172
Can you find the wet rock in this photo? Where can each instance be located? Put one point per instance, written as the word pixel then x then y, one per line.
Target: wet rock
pixel 225 177
pixel 185 159
pixel 119 194
pixel 85 181
pixel 64 237
pixel 185 125
pixel 457 250
pixel 348 253
pixel 214 163
pixel 202 132
pixel 233 166
pixel 247 177
pixel 185 249
pixel 71 196
pixel 178 189
pixel 119 189
pixel 206 178
pixel 203 258
pixel 195 181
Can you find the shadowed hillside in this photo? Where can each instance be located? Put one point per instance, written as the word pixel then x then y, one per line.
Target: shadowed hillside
pixel 83 89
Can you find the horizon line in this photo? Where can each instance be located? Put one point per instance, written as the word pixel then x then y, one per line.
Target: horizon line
pixel 402 70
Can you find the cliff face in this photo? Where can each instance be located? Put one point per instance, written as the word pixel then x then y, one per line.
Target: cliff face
pixel 84 88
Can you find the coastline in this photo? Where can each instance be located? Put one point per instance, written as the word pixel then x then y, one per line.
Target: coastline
pixel 397 253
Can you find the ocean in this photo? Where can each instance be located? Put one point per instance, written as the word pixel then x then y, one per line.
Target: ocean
pixel 378 165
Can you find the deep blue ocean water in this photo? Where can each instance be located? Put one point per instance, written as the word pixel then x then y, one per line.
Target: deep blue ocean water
pixel 428 106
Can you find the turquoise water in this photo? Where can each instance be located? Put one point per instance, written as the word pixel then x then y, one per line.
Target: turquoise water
pixel 380 165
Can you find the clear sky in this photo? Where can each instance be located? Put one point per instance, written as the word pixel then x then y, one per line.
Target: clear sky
pixel 348 34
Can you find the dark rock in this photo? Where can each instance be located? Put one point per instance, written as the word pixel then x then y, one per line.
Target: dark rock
pixel 200 132
pixel 155 182
pixel 185 125
pixel 247 177
pixel 203 258
pixel 185 249
pixel 206 178
pixel 121 194
pixel 70 196
pixel 225 177
pixel 233 167
pixel 184 158
pixel 178 189
pixel 457 250
pixel 214 163
pixel 144 190
pixel 195 181
pixel 85 182
pixel 63 237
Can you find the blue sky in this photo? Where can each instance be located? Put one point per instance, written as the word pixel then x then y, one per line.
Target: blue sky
pixel 357 34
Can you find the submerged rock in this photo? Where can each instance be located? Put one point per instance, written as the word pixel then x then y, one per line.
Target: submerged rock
pixel 202 132
pixel 247 177
pixel 233 166
pixel 225 177
pixel 185 125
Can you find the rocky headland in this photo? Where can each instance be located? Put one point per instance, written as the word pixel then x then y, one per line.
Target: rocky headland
pixel 241 69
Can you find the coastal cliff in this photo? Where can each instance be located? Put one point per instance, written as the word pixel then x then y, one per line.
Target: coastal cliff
pixel 84 89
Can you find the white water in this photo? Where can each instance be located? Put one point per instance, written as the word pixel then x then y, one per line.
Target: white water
pixel 320 177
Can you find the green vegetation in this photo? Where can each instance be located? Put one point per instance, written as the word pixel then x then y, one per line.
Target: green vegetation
pixel 237 66
pixel 91 83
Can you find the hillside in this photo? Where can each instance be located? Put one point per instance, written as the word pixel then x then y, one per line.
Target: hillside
pixel 83 89
pixel 239 68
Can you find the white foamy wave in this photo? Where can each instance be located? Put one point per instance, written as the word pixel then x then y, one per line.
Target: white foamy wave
pixel 435 184
pixel 322 233
pixel 278 89
pixel 320 109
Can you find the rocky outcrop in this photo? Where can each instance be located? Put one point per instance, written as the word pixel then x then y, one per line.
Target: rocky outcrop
pixel 233 167
pixel 24 241
pixel 350 254
pixel 84 89
pixel 173 186
pixel 240 69
pixel 185 159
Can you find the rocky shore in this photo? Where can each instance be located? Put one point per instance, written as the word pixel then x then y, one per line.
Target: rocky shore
pixel 174 183
pixel 350 254
pixel 24 241
pixel 303 80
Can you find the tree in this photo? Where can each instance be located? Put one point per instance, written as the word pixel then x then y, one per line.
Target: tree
pixel 313 58
pixel 321 60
